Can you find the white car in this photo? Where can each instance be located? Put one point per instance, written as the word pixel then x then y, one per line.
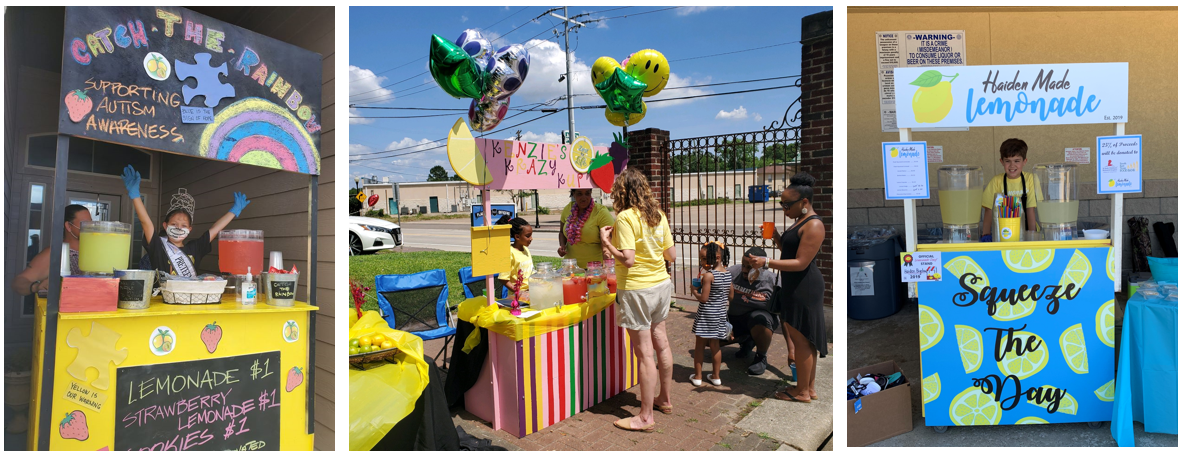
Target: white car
pixel 371 234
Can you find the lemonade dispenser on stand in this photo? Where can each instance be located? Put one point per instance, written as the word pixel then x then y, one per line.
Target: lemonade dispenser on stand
pixel 960 188
pixel 1058 208
pixel 104 247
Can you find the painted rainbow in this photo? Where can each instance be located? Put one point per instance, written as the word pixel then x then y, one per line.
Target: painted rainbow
pixel 259 132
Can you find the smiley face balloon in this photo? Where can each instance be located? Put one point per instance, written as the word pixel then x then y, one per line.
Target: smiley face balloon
pixel 650 67
pixel 623 85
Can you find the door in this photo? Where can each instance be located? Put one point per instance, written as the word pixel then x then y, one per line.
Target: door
pixel 393 206
pixel 434 204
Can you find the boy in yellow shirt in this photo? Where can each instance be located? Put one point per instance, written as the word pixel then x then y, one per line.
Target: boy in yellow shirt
pixel 1022 185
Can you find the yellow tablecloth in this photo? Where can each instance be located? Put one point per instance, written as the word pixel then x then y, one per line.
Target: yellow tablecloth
pixel 494 318
pixel 381 395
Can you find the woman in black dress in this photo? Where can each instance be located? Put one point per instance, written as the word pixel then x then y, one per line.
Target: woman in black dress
pixel 803 288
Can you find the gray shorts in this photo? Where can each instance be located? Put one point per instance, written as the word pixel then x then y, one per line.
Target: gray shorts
pixel 640 309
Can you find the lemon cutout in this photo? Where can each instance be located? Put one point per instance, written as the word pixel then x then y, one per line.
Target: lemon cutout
pixel 963 264
pixel 1066 406
pixel 1075 352
pixel 1106 392
pixel 931 327
pixel 465 159
pixel 1106 323
pixel 1079 269
pixel 933 99
pixel 971 350
pixel 1031 420
pixel 1028 261
pixel 582 152
pixel 1029 363
pixel 974 408
pixel 1110 265
pixel 931 388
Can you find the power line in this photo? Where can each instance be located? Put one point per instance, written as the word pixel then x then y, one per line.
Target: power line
pixel 637 14
pixel 440 140
pixel 425 143
pixel 733 52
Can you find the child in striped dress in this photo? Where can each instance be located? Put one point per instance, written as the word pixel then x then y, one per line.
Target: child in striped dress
pixel 713 293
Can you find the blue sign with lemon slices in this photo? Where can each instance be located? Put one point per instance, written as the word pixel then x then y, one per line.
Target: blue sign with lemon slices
pixel 1020 336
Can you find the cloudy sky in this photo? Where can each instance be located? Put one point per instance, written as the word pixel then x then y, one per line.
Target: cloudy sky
pixel 388 68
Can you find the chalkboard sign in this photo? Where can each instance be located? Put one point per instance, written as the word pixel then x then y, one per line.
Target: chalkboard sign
pixel 229 403
pixel 169 79
pixel 131 290
pixel 283 290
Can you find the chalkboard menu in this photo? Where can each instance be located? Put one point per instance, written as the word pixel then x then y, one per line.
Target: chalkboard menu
pixel 222 404
pixel 169 79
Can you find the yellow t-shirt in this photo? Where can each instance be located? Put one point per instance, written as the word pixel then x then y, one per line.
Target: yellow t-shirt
pixel 519 259
pixel 1033 192
pixel 588 249
pixel 633 233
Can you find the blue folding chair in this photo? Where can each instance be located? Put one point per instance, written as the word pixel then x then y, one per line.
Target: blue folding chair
pixel 474 285
pixel 417 302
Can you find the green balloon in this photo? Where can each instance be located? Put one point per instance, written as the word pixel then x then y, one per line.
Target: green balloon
pixel 622 92
pixel 455 71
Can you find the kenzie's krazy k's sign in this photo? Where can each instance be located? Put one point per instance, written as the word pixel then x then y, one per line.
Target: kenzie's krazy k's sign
pixel 1012 95
pixel 1019 337
pixel 169 79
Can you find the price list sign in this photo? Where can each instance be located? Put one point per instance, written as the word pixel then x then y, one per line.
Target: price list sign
pixel 227 404
pixel 905 170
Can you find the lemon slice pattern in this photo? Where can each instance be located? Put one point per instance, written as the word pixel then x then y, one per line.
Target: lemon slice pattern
pixel 464 157
pixel 1110 265
pixel 974 408
pixel 1029 363
pixel 1028 261
pixel 960 265
pixel 1031 420
pixel 1106 392
pixel 931 328
pixel 1106 323
pixel 1066 406
pixel 1077 272
pixel 931 388
pixel 1075 352
pixel 971 349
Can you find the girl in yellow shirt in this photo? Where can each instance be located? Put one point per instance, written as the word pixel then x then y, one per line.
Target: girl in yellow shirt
pixel 521 263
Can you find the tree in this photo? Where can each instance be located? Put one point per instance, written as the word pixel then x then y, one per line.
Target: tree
pixel 696 161
pixel 735 154
pixel 437 174
pixel 354 204
pixel 779 153
pixel 455 178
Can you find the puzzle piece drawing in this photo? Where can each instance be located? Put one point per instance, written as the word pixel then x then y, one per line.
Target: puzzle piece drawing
pixel 208 82
pixel 97 351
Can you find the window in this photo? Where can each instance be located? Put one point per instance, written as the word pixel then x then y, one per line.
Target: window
pixel 89 156
pixel 33 243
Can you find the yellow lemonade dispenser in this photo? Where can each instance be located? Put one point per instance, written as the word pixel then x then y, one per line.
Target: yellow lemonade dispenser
pixel 1058 210
pixel 960 188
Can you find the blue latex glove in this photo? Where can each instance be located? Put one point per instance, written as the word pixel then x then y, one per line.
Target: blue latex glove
pixel 240 203
pixel 131 180
pixel 986 238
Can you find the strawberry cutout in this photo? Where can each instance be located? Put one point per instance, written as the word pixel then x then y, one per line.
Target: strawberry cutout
pixel 211 335
pixel 295 377
pixel 73 426
pixel 78 104
pixel 603 173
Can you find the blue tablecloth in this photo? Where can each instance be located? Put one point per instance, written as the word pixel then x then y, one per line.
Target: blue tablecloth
pixel 1147 376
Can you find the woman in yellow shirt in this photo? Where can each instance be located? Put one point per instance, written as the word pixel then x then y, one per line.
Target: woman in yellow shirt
pixel 642 245
pixel 581 221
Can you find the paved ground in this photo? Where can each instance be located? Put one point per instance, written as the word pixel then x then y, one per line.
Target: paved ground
pixel 742 414
pixel 897 338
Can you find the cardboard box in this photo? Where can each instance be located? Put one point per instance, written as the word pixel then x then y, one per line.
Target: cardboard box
pixel 884 414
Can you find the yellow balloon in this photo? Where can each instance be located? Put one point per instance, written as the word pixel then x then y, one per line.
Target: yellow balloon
pixel 602 69
pixel 650 67
pixel 617 119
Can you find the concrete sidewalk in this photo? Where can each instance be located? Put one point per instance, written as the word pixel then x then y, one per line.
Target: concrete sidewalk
pixel 741 414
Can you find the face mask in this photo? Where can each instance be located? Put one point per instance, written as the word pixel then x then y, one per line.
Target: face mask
pixel 177 233
pixel 71 232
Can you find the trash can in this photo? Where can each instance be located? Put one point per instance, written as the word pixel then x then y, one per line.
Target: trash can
pixel 874 289
pixel 758 193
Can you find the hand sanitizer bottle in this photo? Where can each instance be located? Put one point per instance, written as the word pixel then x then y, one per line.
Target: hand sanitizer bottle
pixel 249 292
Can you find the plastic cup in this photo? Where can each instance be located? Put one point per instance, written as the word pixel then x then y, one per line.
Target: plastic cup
pixel 276 259
pixel 769 230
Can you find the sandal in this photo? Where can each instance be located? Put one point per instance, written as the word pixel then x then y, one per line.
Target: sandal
pixel 714 381
pixel 624 424
pixel 667 409
pixel 695 382
pixel 789 398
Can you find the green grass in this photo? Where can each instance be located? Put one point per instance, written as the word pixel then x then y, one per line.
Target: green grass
pixel 703 202
pixel 362 269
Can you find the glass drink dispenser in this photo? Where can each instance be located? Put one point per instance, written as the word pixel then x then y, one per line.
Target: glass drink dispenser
pixel 239 250
pixel 960 188
pixel 1058 210
pixel 104 247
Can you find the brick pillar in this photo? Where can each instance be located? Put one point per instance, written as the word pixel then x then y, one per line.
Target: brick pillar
pixel 647 151
pixel 816 134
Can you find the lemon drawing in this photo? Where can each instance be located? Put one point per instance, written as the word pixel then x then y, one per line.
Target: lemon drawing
pixel 1067 405
pixel 933 100
pixel 1079 269
pixel 894 152
pixel 931 327
pixel 1106 323
pixel 156 66
pixel 1028 261
pixel 581 155
pixel 1111 183
pixel 960 265
pixel 931 388
pixel 1031 420
pixel 1029 363
pixel 1075 352
pixel 1106 392
pixel 464 157
pixel 974 408
pixel 1110 265
pixel 971 349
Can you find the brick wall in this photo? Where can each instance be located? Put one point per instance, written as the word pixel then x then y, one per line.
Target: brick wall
pixel 816 144
pixel 647 151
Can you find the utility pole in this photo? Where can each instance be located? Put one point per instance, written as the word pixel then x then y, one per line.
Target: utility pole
pixel 570 109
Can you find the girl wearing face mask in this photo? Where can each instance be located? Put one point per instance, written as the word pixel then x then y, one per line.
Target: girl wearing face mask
pixel 168 250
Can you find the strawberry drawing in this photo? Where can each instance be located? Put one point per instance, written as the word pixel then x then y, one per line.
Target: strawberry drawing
pixel 78 104
pixel 602 172
pixel 295 377
pixel 73 426
pixel 211 335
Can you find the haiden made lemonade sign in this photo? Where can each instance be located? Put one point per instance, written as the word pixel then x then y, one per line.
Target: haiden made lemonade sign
pixel 1019 337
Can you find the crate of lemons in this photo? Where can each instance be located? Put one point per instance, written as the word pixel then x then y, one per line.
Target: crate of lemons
pixel 371 347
